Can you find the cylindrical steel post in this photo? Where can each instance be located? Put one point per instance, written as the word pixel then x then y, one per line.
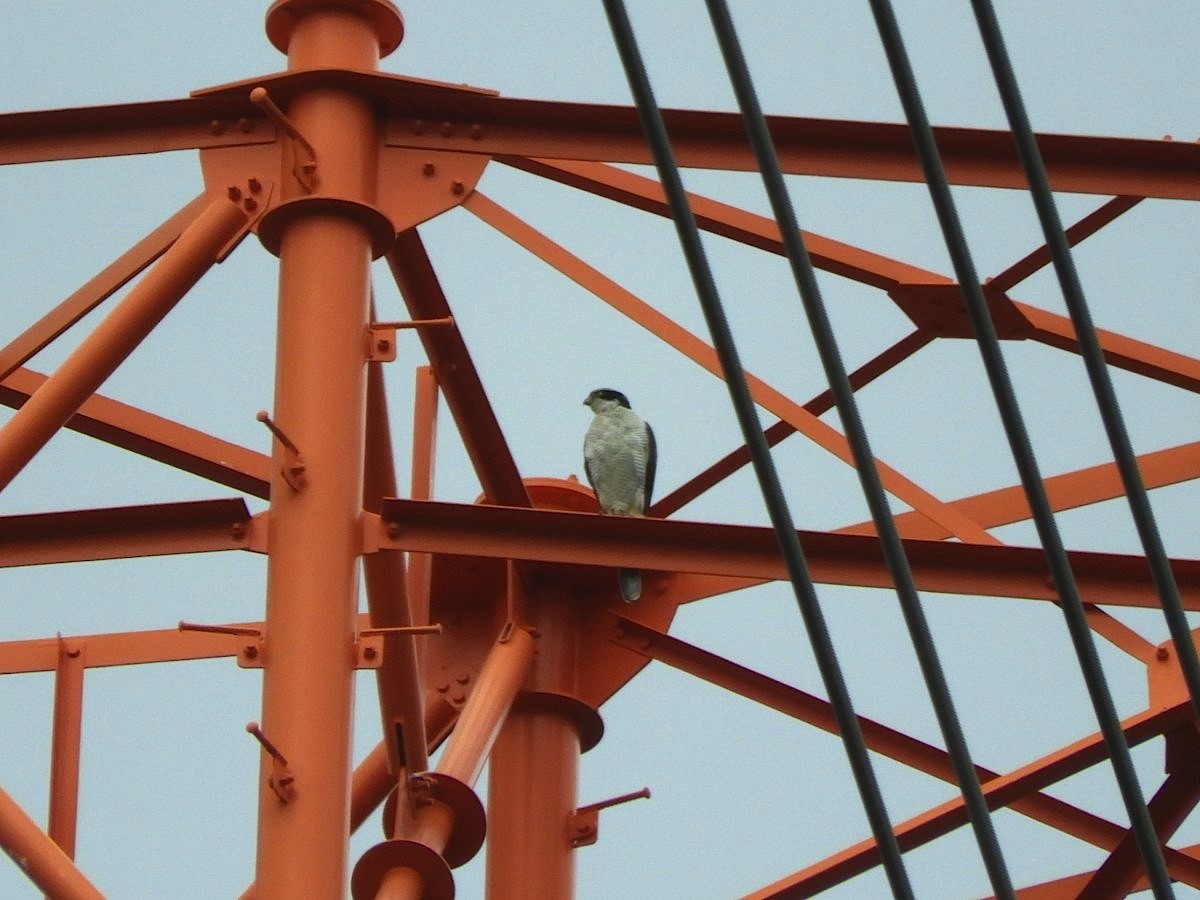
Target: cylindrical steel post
pixel 98 356
pixel 316 533
pixel 533 772
pixel 532 787
pixel 64 751
pixel 42 859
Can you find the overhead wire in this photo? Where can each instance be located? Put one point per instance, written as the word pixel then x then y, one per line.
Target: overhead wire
pixel 735 379
pixel 989 346
pixel 1089 346
pixel 864 460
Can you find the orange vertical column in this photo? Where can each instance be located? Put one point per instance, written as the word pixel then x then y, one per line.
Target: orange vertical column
pixel 325 232
pixel 534 766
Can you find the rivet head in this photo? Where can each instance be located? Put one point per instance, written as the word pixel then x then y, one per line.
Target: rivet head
pixel 255 185
pixel 234 192
pixel 369 652
pixel 216 126
pixel 476 131
pixel 250 651
pixel 428 169
pixel 457 187
pixel 1162 653
pixel 447 129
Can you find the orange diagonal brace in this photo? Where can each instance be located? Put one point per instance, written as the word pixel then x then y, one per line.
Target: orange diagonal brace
pixel 1120 351
pixel 728 221
pixel 42 860
pixel 998 792
pixel 154 437
pixel 731 462
pixel 880 738
pixel 862 265
pixel 1068 490
pixel 397 679
pixel 456 374
pixel 695 349
pixel 22 348
pixel 116 336
pixel 1173 802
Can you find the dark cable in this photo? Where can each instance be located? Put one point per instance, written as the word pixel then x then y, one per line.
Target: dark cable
pixel 868 474
pixel 735 380
pixel 1014 426
pixel 1089 345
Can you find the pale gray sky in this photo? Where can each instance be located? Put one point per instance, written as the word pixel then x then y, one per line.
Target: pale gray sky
pixel 742 796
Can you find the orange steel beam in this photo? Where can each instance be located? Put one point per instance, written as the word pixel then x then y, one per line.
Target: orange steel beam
pixel 1084 228
pixel 860 265
pixel 823 402
pixel 735 550
pixel 1068 490
pixel 728 221
pixel 805 146
pixel 198 526
pixel 398 679
pixel 131 648
pixel 39 857
pixel 129 128
pixel 64 749
pixel 456 375
pixel 154 437
pixel 1120 351
pixel 116 336
pixel 425 408
pixel 98 289
pixel 998 792
pixel 325 244
pixel 815 711
pixel 519 127
pixel 821 433
pixel 887 741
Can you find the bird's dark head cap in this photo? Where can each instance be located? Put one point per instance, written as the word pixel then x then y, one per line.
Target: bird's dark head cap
pixel 607 394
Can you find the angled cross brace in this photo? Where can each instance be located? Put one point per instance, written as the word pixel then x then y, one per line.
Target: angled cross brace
pixel 456 374
pixel 154 437
pixel 880 738
pixel 999 792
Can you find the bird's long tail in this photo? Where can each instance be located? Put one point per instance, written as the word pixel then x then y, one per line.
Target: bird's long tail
pixel 631 584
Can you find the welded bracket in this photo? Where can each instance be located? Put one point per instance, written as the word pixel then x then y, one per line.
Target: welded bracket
pixel 381 342
pixel 583 825
pixel 251 649
pixel 294 467
pixel 304 157
pixel 281 779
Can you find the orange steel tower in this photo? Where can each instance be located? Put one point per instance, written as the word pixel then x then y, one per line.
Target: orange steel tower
pixel 495 630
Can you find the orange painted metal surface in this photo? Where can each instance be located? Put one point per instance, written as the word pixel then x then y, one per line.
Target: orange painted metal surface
pixel 43 860
pixel 314 543
pixel 115 338
pixel 328 166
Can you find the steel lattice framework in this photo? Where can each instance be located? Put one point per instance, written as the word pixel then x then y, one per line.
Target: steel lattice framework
pixel 495 629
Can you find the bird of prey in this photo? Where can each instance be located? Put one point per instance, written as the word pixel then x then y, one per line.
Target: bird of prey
pixel 619 457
